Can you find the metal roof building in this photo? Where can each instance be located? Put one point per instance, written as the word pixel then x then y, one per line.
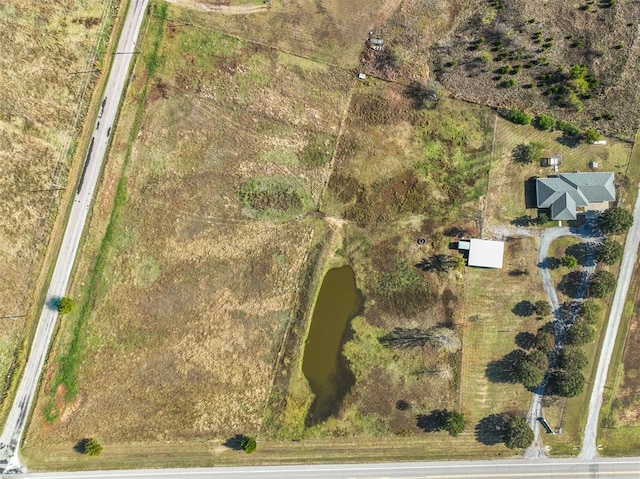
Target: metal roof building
pixel 563 194
pixel 483 253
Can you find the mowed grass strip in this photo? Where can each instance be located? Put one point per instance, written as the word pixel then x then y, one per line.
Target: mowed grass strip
pixel 490 332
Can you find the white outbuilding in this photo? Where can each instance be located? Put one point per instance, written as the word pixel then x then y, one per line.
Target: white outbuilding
pixel 483 253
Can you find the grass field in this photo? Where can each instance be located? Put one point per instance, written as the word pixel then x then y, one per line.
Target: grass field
pixel 47 73
pixel 194 269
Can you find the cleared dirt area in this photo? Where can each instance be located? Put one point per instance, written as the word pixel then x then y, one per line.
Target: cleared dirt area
pixel 45 81
pixel 519 53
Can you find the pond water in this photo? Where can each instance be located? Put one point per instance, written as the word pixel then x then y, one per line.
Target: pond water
pixel 325 368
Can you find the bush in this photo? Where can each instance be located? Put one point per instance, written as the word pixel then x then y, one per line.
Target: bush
pixel 65 305
pixel 590 311
pixel 615 221
pixel 518 434
pixel 609 252
pixel 454 422
pixel 517 116
pixel 602 284
pixel 542 308
pixel 248 444
pixel 591 135
pixel 92 448
pixel 569 261
pixel 544 341
pixel 545 122
pixel 568 128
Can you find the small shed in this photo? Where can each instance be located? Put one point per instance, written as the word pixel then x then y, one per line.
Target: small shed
pixel 362 76
pixel 593 165
pixel 376 41
pixel 552 161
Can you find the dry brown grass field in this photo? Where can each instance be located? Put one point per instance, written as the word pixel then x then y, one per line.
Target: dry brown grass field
pixel 204 247
pixel 45 83
pixel 532 40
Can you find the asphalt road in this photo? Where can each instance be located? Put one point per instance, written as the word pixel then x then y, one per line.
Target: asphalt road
pixel 629 258
pixel 18 415
pixel 561 468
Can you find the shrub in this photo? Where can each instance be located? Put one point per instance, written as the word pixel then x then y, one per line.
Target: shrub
pixel 542 308
pixel 65 305
pixel 517 116
pixel 248 444
pixel 568 128
pixel 92 448
pixel 545 122
pixel 544 341
pixel 590 311
pixel 569 261
pixel 591 135
pixel 454 422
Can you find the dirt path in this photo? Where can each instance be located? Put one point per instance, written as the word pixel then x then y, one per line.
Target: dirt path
pixel 224 9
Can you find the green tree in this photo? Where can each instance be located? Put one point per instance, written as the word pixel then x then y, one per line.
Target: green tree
pixel 92 447
pixel 544 341
pixel 615 221
pixel 545 122
pixel 571 358
pixel 609 252
pixel 531 368
pixel 568 128
pixel 248 444
pixel 65 305
pixel 567 383
pixel 518 434
pixel 602 284
pixel 590 311
pixel 580 332
pixel 569 261
pixel 591 135
pixel 542 308
pixel 454 422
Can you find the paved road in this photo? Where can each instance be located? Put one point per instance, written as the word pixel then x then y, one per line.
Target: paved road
pixel 18 415
pixel 624 278
pixel 560 468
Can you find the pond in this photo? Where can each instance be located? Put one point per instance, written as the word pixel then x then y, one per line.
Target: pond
pixel 323 365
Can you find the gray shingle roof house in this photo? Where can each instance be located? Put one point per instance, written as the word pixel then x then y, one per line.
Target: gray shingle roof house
pixel 564 193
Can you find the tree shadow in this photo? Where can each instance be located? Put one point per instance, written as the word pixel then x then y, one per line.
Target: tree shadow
pixel 583 252
pixel 402 405
pixel 572 284
pixel 501 370
pixel 420 94
pixel 525 340
pixel 550 262
pixel 490 429
pixel 52 303
pixel 81 445
pixel 234 443
pixel 523 309
pixel 435 421
pixel 570 141
pixel 519 154
pixel 518 272
pixel 524 220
